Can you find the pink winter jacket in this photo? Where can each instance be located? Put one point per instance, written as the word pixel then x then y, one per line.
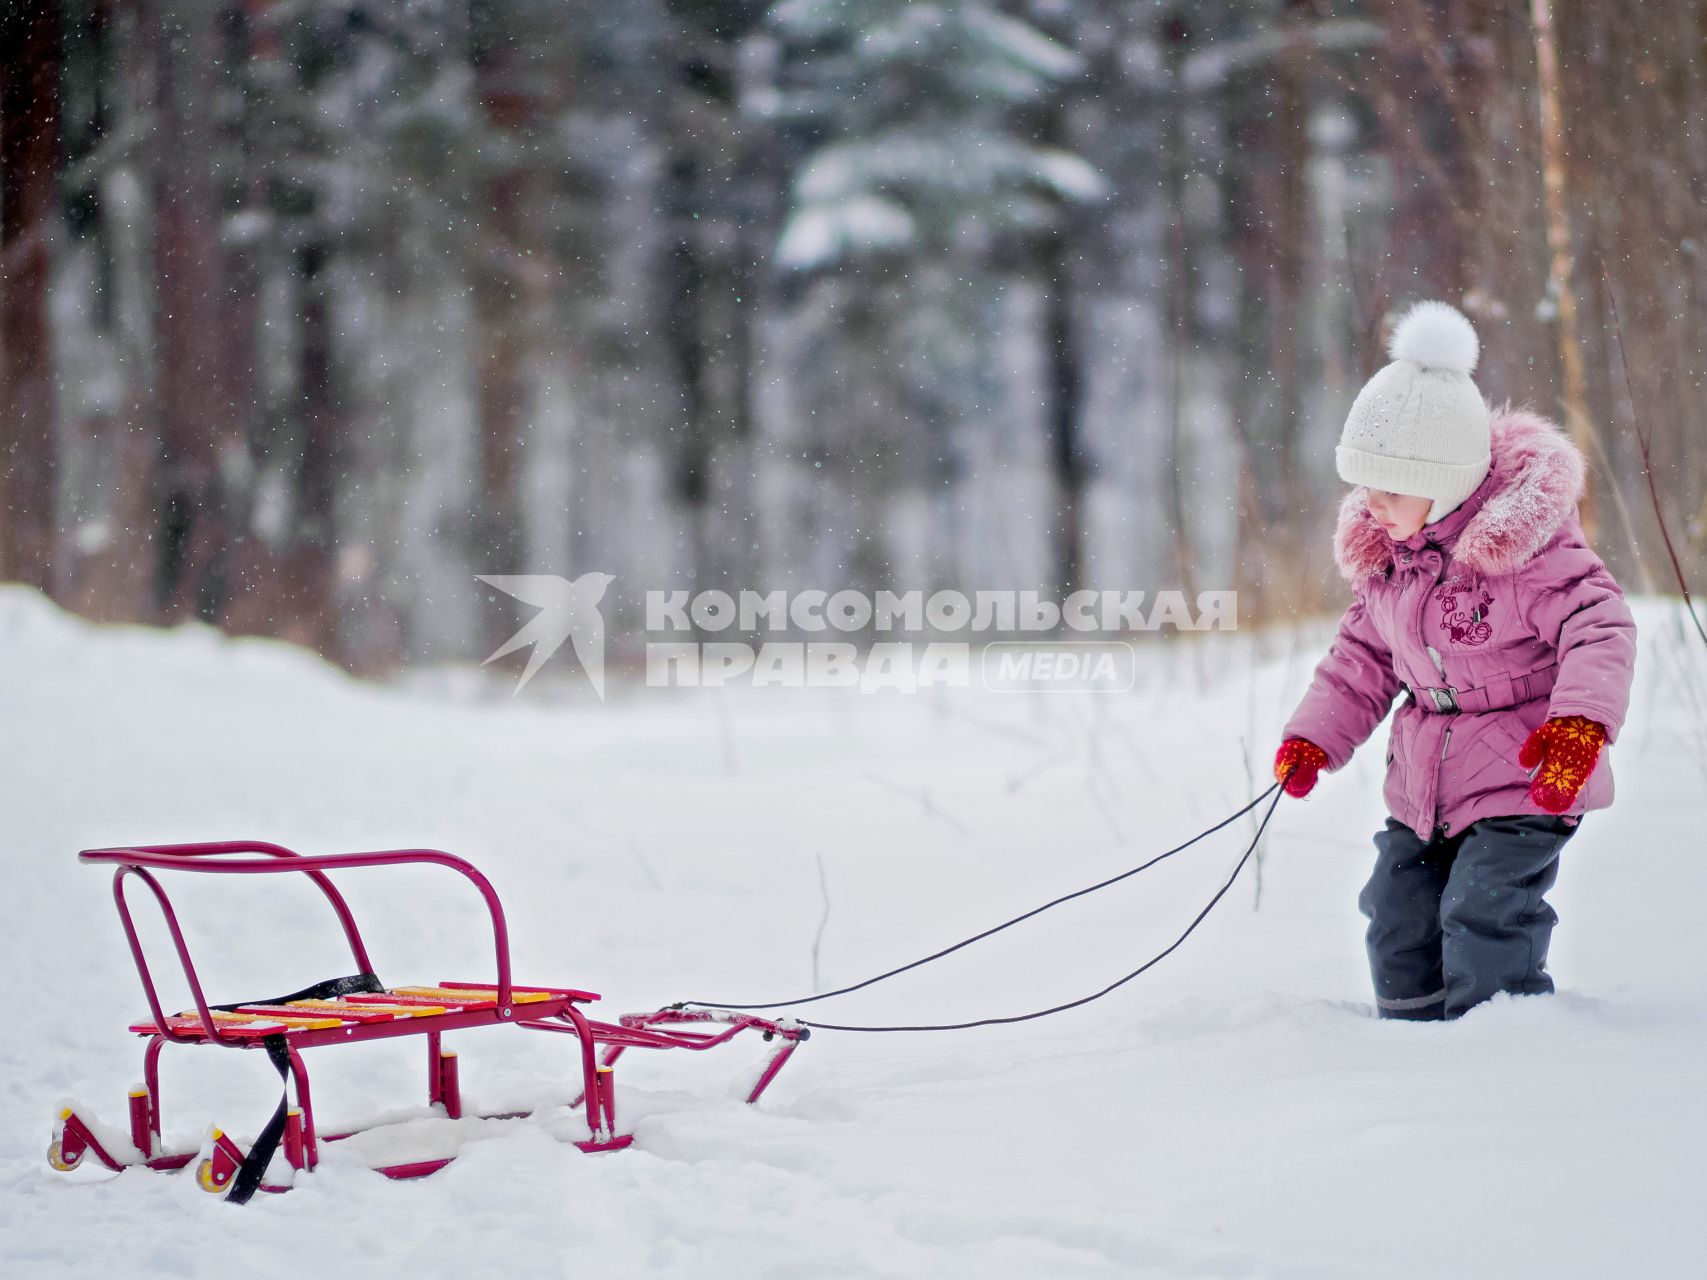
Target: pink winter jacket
pixel 1501 602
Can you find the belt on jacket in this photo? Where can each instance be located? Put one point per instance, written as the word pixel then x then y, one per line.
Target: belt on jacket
pixel 1496 695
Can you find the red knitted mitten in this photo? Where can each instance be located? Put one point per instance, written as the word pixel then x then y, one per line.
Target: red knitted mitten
pixel 1566 748
pixel 1296 765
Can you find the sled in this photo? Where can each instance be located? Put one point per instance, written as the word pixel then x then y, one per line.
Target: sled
pixel 353 1009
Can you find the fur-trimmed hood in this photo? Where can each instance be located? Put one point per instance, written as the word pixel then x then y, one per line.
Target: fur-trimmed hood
pixel 1534 482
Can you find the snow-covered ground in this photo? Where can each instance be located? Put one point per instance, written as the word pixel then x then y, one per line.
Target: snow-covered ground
pixel 1236 1112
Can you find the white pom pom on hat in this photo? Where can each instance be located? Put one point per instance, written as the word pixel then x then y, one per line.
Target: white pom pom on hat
pixel 1435 336
pixel 1420 426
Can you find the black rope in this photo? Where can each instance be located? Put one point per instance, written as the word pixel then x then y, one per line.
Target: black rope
pixel 979 937
pixel 1117 983
pixel 1006 924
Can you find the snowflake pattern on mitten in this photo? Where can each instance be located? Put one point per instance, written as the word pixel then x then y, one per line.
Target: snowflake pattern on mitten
pixel 1565 748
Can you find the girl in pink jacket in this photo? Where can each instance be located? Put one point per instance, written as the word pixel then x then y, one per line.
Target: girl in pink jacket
pixel 1476 597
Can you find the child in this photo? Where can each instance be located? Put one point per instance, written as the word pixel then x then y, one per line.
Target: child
pixel 1475 594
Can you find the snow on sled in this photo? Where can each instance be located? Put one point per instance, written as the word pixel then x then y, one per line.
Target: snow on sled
pixel 351 1009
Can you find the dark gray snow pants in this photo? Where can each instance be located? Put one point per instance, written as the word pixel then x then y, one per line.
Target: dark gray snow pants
pixel 1455 921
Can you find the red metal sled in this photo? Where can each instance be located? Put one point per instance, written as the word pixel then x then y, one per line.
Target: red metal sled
pixel 290 1026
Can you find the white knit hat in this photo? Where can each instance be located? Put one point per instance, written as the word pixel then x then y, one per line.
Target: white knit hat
pixel 1420 426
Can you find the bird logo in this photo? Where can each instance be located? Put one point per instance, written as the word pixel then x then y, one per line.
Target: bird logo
pixel 567 611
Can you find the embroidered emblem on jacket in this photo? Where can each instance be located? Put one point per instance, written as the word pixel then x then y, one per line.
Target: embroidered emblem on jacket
pixel 1463 612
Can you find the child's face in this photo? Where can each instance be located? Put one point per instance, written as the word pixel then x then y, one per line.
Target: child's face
pixel 1400 514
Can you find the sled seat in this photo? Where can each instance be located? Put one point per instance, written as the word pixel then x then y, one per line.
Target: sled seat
pixel 420 1007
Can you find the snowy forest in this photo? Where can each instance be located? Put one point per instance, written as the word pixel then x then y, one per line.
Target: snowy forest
pixel 313 310
pixel 362 359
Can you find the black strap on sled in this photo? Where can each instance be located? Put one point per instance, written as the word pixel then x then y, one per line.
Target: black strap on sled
pixel 330 989
pixel 248 1177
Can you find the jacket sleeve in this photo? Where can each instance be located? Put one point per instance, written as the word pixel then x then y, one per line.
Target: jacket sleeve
pixel 1351 691
pixel 1581 611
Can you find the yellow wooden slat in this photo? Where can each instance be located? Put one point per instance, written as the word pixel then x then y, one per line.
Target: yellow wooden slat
pixel 395 1010
pixel 457 993
pixel 309 1024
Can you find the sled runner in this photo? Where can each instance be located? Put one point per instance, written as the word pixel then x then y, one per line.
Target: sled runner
pixel 359 1007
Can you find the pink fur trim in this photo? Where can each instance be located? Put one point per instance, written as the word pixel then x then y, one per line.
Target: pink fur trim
pixel 1537 480
pixel 1362 548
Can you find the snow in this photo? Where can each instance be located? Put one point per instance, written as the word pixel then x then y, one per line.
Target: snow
pixel 1238 1111
pixel 1026 45
pixel 1071 176
pixel 844 210
pixel 822 234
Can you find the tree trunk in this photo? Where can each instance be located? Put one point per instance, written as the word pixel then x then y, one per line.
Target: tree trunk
pixel 1067 462
pixel 193 527
pixel 508 257
pixel 122 579
pixel 1175 306
pixel 690 433
pixel 711 172
pixel 311 615
pixel 29 164
pixel 1560 286
pixel 1271 233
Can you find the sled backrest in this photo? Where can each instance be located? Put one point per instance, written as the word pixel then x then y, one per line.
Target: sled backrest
pixel 219 858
